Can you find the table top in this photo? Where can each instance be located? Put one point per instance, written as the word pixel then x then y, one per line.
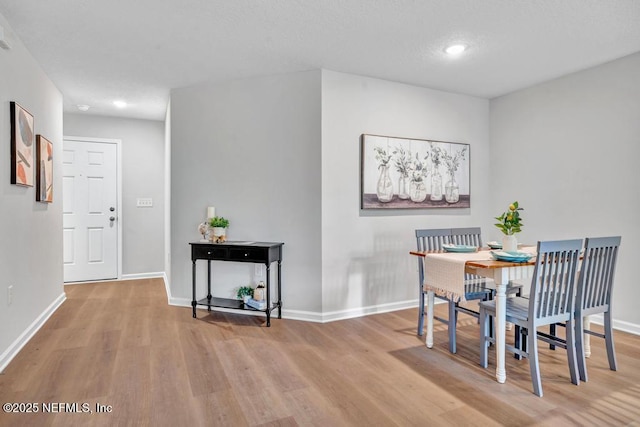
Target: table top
pixel 240 243
pixel 480 263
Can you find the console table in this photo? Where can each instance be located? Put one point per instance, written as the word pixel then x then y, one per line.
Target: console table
pixel 254 252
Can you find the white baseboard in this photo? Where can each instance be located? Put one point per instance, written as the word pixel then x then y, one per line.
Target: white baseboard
pixel 135 276
pixel 618 325
pixel 312 316
pixel 16 346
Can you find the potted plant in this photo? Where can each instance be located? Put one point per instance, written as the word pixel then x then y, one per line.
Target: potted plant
pixel 510 223
pixel 245 293
pixel 219 225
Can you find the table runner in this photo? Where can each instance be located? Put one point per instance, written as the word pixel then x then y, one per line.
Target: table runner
pixel 444 272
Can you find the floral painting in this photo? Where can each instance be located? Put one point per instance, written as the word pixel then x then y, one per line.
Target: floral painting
pixel 22 142
pixel 403 173
pixel 44 169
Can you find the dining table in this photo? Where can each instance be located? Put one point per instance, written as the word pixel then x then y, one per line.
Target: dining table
pixel 445 274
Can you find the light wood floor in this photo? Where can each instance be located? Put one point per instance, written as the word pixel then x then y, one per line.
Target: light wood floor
pixel 120 344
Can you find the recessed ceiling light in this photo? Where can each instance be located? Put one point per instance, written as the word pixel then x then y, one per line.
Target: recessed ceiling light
pixel 83 107
pixel 120 104
pixel 455 49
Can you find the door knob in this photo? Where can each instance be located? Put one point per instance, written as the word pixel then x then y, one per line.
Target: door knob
pixel 112 209
pixel 112 218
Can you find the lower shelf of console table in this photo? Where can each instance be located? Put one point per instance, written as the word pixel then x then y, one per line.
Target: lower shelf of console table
pixel 254 252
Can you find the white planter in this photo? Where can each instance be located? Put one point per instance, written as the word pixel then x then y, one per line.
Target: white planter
pixel 509 243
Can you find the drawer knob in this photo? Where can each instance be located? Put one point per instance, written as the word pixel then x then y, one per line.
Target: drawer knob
pixel 209 253
pixel 246 254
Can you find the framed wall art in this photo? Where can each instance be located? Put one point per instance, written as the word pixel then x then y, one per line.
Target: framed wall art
pixel 404 173
pixel 21 146
pixel 44 169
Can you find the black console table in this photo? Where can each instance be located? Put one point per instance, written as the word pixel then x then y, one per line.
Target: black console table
pixel 255 252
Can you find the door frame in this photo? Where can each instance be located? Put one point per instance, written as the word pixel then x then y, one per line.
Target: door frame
pixel 118 144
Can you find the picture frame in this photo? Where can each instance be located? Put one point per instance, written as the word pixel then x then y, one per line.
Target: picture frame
pixel 44 170
pixel 409 173
pixel 22 146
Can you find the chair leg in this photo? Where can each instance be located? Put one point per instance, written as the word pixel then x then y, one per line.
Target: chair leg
pixel 608 337
pixel 571 352
pixel 534 368
pixel 484 332
pixel 453 321
pixel 420 313
pixel 517 341
pixel 580 352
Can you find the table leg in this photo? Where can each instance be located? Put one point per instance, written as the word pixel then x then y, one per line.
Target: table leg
pixel 193 288
pixel 429 340
pixel 279 289
pixel 501 278
pixel 268 292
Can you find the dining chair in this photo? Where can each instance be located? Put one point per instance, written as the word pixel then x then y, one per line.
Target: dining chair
pixel 476 287
pixel 594 295
pixel 551 299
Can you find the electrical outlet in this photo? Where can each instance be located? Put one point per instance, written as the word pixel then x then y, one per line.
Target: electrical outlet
pixel 144 203
pixel 258 270
pixel 9 294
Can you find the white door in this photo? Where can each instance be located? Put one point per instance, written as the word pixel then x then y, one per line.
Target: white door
pixel 90 210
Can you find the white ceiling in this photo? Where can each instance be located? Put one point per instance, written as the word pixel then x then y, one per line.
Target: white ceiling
pixel 138 50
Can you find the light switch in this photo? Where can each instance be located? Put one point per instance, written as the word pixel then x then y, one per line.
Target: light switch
pixel 145 203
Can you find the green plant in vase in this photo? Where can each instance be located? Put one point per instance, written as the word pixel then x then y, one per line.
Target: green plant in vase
pixel 510 223
pixel 245 293
pixel 219 225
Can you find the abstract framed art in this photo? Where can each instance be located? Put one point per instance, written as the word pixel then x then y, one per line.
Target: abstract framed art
pixel 21 146
pixel 404 173
pixel 44 169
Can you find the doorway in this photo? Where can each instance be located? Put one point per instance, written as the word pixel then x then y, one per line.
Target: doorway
pixel 92 237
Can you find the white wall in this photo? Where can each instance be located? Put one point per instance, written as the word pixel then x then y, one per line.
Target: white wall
pixel 251 148
pixel 567 151
pixel 143 165
pixel 366 266
pixel 30 232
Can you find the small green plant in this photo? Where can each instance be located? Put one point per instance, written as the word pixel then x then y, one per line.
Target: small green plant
pixel 510 220
pixel 244 291
pixel 219 221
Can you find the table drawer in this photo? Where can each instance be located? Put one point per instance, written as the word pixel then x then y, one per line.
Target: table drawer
pixel 208 252
pixel 247 254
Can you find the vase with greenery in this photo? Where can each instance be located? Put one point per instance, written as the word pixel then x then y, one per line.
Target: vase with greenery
pixel 417 187
pixel 436 178
pixel 384 189
pixel 451 188
pixel 403 166
pixel 219 225
pixel 510 223
pixel 245 293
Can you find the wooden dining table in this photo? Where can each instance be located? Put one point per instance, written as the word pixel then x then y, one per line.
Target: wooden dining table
pixel 447 278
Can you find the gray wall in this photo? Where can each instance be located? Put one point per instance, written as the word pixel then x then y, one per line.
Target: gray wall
pixel 366 266
pixel 251 148
pixel 30 232
pixel 143 165
pixel 567 150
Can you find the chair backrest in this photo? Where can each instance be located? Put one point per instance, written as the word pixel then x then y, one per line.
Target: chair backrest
pixel 552 297
pixel 597 274
pixel 466 236
pixel 432 239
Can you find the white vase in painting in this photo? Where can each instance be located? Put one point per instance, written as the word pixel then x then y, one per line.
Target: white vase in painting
pixel 509 243
pixel 384 189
